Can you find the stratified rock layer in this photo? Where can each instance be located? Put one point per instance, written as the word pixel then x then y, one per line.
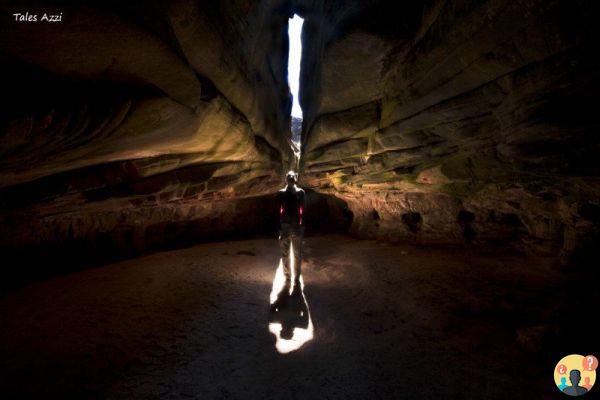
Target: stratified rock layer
pixel 138 123
pixel 451 121
pixel 433 120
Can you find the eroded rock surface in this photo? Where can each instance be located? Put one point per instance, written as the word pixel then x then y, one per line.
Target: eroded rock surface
pixel 430 120
pixel 131 122
pixel 474 118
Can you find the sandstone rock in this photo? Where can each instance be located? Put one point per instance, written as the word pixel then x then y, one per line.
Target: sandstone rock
pixel 473 101
pixel 154 127
pixel 349 124
pixel 94 44
pixel 451 122
pixel 240 46
pixel 432 176
pixel 349 149
pixel 135 124
pixel 352 66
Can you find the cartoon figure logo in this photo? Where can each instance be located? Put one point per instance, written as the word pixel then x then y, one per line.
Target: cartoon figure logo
pixel 575 374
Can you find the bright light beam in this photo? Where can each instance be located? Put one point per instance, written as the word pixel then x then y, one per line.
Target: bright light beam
pixel 300 335
pixel 295 54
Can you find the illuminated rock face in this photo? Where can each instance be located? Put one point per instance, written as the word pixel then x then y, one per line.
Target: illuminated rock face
pixel 435 121
pixel 477 116
pixel 131 124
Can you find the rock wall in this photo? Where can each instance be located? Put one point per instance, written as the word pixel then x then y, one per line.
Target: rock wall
pixel 452 121
pixel 130 125
pixel 431 120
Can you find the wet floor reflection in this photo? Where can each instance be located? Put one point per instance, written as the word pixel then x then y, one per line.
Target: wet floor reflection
pixel 289 316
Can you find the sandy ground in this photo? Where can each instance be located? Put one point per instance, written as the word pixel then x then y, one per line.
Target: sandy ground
pixel 390 321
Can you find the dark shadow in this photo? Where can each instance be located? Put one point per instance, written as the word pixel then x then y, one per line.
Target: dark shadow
pixel 413 220
pixel 465 218
pixel 256 217
pixel 326 214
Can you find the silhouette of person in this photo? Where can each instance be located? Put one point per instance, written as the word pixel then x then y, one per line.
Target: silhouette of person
pixel 587 383
pixel 575 389
pixel 563 383
pixel 291 312
pixel 291 229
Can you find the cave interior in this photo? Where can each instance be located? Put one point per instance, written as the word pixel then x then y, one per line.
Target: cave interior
pixel 448 149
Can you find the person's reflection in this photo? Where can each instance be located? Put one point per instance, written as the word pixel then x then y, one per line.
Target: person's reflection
pixel 291 311
pixel 289 314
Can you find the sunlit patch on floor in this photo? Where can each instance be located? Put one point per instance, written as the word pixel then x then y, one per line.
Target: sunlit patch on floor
pixel 294 308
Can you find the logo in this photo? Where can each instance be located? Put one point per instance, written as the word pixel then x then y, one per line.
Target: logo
pixel 575 374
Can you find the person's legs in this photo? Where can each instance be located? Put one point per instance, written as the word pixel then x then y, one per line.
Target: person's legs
pixel 297 246
pixel 284 246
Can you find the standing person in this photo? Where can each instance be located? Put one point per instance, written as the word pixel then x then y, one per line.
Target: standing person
pixel 291 229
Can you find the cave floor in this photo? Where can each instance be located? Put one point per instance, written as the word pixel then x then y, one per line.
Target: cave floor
pixel 391 321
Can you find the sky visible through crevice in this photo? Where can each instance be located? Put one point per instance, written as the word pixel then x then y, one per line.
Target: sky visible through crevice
pixel 295 54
